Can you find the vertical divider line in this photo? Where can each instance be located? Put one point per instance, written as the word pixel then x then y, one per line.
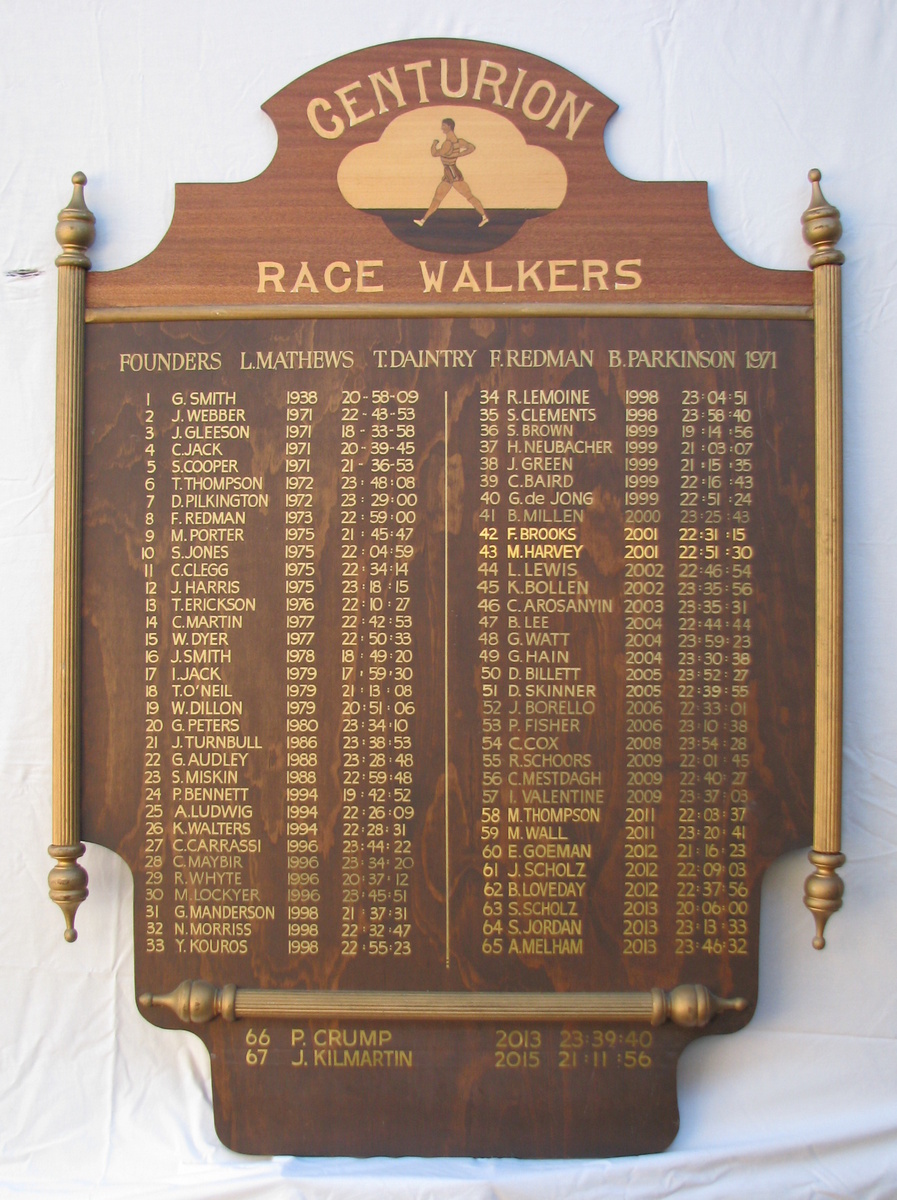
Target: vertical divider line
pixel 445 525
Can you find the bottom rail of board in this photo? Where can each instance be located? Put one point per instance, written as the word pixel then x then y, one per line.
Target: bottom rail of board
pixel 690 1005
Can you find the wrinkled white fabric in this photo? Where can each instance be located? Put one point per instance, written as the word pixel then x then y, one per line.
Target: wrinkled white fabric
pixel 747 94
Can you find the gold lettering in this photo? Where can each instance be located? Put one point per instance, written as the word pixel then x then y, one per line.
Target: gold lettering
pixel 466 279
pixel 312 113
pixel 490 287
pixel 443 75
pixel 529 100
pixel 573 121
pixel 365 272
pixel 349 102
pixel 521 72
pixel 418 68
pixel 328 276
pixel 270 272
pixel 594 268
pixel 524 272
pixel 391 84
pixel 495 82
pixel 623 270
pixel 557 269
pixel 304 280
pixel 432 280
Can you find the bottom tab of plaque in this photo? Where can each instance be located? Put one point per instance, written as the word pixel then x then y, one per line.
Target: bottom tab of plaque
pixel 523 1089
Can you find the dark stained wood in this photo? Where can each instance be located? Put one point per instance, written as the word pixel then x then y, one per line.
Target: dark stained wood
pixel 780 737
pixel 294 211
pixel 206 620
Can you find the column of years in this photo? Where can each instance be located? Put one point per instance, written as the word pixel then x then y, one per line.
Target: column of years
pixel 643 608
pixel 303 861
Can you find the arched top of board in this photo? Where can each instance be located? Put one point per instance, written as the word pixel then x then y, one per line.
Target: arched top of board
pixel 439 172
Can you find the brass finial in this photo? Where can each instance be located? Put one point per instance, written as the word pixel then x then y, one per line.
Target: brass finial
pixel 68 884
pixel 823 891
pixel 691 1005
pixel 822 226
pixel 195 1001
pixel 76 227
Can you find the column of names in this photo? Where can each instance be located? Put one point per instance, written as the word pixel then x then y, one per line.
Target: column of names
pixel 213 819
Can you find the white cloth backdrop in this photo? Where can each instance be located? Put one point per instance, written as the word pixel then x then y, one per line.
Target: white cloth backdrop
pixel 747 94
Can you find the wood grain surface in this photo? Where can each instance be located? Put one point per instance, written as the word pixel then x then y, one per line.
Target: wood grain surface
pixel 530 1089
pixel 294 211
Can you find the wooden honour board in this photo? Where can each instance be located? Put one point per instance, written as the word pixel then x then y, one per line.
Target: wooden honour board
pixel 448 617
